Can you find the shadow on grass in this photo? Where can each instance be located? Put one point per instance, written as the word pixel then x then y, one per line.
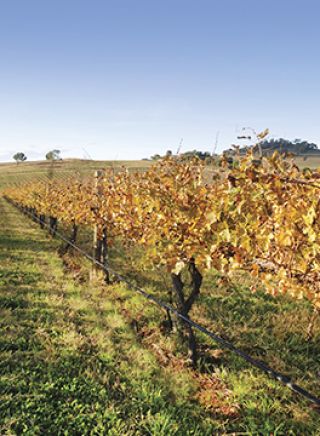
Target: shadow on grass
pixel 271 330
pixel 50 389
pixel 26 244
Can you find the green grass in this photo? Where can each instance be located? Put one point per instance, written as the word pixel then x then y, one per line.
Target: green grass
pixel 79 358
pixel 273 330
pixel 69 361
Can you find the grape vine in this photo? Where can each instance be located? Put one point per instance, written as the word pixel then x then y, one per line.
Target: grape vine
pixel 258 215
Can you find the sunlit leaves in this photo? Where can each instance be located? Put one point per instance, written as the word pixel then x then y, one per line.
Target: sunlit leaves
pixel 261 216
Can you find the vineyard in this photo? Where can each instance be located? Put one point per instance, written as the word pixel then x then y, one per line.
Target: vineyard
pixel 247 235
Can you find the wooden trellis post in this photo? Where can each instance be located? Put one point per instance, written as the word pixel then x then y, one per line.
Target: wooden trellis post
pixel 96 240
pixel 100 241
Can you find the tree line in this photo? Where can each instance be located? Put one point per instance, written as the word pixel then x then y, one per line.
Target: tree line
pixel 281 145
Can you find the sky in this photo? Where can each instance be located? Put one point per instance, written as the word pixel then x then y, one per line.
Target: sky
pixel 126 79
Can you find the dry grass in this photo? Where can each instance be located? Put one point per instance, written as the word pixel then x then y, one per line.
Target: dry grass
pixel 26 171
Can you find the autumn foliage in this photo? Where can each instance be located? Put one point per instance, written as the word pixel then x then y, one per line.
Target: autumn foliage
pixel 258 215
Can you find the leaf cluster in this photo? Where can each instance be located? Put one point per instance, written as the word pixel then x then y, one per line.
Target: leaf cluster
pixel 262 216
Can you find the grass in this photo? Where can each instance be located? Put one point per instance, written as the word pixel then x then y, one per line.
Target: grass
pixel 70 363
pixel 83 359
pixel 27 171
pixel 308 161
pixel 77 358
pixel 273 330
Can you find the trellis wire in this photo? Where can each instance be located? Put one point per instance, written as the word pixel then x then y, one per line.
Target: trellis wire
pixel 226 344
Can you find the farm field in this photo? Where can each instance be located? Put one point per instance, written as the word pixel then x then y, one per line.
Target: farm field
pixel 96 358
pixel 26 171
pixel 308 161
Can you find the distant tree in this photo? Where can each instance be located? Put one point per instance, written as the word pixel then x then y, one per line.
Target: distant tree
pixel 203 155
pixel 187 155
pixel 156 157
pixel 19 157
pixel 53 155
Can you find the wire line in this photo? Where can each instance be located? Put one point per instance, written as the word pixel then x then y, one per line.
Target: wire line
pixel 258 364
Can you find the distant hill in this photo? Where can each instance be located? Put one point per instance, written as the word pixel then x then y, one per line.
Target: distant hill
pixel 284 146
pixel 26 171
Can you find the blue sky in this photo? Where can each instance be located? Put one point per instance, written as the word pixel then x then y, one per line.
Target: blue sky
pixel 129 78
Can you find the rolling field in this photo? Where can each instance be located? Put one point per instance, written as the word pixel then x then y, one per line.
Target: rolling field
pixel 80 357
pixel 26 171
pixel 308 161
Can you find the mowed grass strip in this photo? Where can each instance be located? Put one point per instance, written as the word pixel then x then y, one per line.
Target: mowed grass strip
pixel 69 361
pixel 270 329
